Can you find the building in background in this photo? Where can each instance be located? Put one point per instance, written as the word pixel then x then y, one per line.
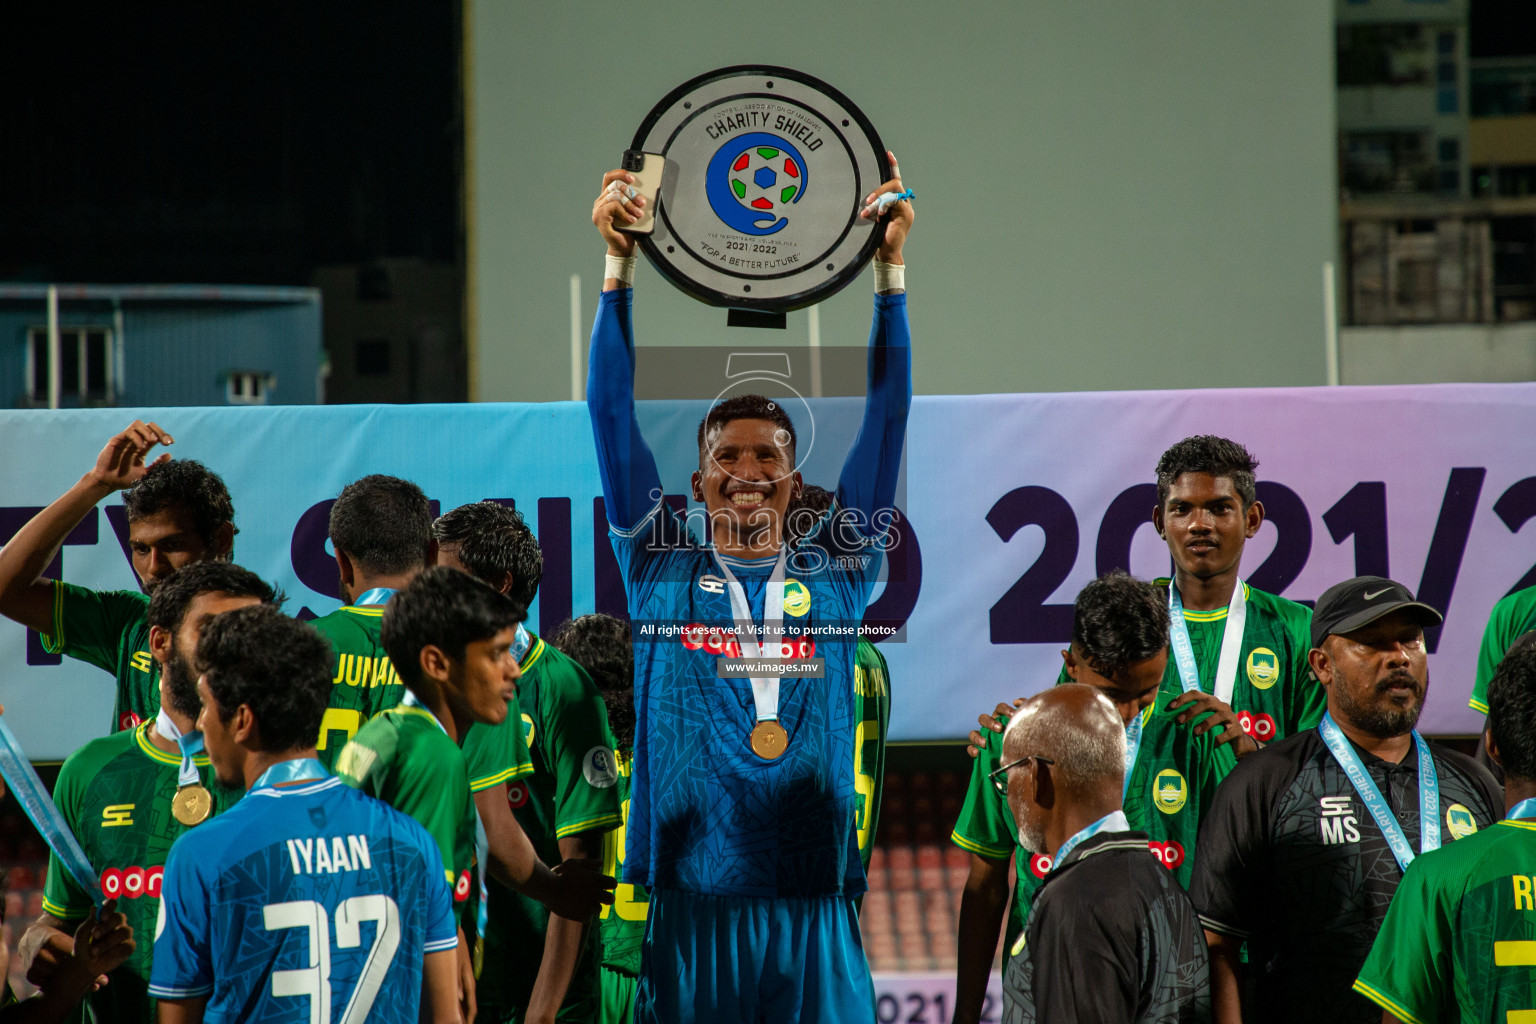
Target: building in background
pixel 1437 162
pixel 161 345
pixel 393 331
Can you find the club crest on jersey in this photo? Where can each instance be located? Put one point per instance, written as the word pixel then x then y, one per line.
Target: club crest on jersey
pixel 797 598
pixel 1459 821
pixel 598 768
pixel 1169 791
pixel 711 584
pixel 1263 668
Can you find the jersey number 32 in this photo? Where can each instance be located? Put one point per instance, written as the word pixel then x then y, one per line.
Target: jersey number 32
pixel 314 981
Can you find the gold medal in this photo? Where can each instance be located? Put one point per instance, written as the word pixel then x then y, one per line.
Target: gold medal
pixel 192 805
pixel 769 740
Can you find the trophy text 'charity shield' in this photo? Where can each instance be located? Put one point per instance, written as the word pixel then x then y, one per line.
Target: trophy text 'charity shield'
pixel 767 169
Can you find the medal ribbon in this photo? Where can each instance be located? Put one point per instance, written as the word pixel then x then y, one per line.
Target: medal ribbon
pixel 34 799
pixel 1429 793
pixel 1114 821
pixel 298 769
pixel 765 690
pixel 1231 642
pixel 378 595
pixel 1132 748
pixel 190 743
pixel 1523 809
pixel 521 643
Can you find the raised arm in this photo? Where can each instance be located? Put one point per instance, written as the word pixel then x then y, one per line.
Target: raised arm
pixel 868 481
pixel 24 595
pixel 631 483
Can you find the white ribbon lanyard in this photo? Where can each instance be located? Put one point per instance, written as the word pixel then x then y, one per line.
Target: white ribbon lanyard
pixel 765 690
pixel 190 743
pixel 1231 642
pixel 1114 821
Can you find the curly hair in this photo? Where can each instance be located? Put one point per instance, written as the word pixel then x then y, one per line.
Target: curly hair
pixel 278 667
pixel 603 646
pixel 185 486
pixel 494 540
pixel 446 609
pixel 1207 453
pixel 1118 621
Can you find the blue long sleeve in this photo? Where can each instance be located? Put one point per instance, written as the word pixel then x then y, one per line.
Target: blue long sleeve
pixel 631 483
pixel 868 481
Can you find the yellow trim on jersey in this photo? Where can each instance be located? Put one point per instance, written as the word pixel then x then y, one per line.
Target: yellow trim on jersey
pixel 1477 705
pixel 156 754
pixel 53 642
pixel 1215 614
pixel 478 785
pixel 372 611
pixel 54 910
pixel 534 654
pixel 612 821
pixel 1386 1003
pixel 1529 826
pixel 412 709
pixel 522 769
pixel 981 849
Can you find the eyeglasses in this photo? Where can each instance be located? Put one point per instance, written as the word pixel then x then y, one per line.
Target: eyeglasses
pixel 1000 777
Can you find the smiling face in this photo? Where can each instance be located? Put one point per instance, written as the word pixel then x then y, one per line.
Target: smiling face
pixel 1376 676
pixel 1205 524
pixel 486 678
pixel 746 480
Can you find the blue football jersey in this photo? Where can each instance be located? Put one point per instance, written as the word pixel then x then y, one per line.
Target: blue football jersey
pixel 706 813
pixel 312 902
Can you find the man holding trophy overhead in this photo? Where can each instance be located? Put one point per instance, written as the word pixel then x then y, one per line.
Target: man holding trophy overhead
pixel 742 819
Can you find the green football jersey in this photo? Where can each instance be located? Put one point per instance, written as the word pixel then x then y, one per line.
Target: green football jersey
pixel 573 788
pixel 1459 939
pixel 404 758
pixel 872 715
pixel 363 682
pixel 621 927
pixel 1275 694
pixel 109 629
pixel 1512 616
pixel 497 753
pixel 1172 782
pixel 115 795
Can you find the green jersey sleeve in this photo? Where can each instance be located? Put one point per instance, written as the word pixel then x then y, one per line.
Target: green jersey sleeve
pixel 495 754
pixel 1511 616
pixel 1409 967
pixel 89 624
pixel 578 747
pixel 985 826
pixel 1305 698
pixel 412 780
pixel 872 718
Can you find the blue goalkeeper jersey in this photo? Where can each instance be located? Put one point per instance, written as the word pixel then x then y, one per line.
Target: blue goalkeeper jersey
pixel 707 815
pixel 304 894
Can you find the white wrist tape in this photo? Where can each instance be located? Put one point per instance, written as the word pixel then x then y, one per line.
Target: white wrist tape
pixel 621 267
pixel 890 277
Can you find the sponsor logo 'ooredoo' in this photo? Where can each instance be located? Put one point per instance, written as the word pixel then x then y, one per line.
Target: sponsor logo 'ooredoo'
pixel 1260 727
pixel 714 640
pixel 131 882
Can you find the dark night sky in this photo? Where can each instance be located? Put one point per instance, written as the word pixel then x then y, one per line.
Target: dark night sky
pixel 1502 28
pixel 228 142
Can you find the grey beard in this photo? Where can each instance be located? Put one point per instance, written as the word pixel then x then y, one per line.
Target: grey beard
pixel 1032 839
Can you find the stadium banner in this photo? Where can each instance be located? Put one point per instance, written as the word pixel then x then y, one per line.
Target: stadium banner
pixel 928 997
pixel 1009 504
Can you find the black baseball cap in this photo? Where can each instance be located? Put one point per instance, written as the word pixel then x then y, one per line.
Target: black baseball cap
pixel 1346 607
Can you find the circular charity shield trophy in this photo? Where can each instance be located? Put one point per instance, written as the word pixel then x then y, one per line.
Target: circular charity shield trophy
pixel 765 171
